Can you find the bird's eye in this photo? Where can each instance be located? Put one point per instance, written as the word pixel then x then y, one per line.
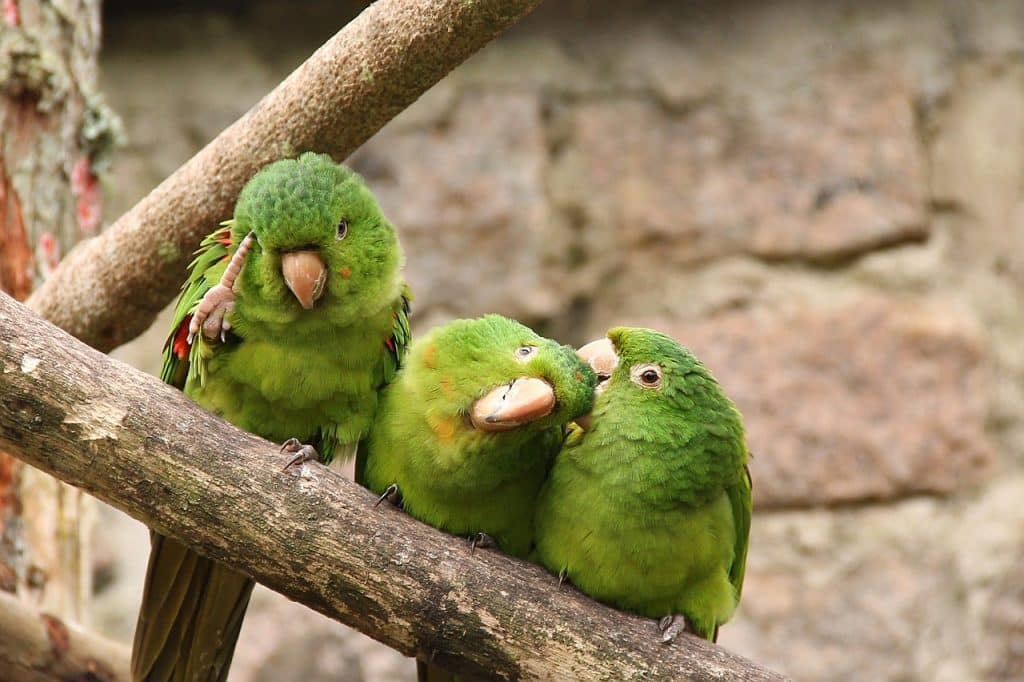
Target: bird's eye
pixel 524 353
pixel 646 375
pixel 601 378
pixel 342 228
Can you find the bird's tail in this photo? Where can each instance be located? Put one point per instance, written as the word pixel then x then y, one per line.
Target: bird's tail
pixel 192 611
pixel 428 672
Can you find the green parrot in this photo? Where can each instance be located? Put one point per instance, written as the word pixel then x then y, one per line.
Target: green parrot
pixel 465 435
pixel 660 468
pixel 293 317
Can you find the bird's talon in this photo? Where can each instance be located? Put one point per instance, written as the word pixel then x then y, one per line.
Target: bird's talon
pixel 562 575
pixel 481 540
pixel 670 626
pixel 303 453
pixel 390 494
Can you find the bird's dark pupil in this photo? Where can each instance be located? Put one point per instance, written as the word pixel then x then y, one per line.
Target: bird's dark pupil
pixel 602 377
pixel 342 228
pixel 650 376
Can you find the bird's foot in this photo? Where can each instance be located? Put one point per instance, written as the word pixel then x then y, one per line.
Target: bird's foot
pixel 481 540
pixel 671 626
pixel 211 315
pixel 563 576
pixel 392 494
pixel 301 452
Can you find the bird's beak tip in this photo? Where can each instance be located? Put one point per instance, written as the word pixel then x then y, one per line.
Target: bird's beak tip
pixel 306 275
pixel 506 407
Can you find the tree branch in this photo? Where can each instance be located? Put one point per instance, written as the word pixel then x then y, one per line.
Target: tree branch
pixel 145 448
pixel 109 289
pixel 37 646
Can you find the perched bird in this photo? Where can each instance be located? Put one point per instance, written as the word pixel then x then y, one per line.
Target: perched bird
pixel 293 317
pixel 464 437
pixel 660 468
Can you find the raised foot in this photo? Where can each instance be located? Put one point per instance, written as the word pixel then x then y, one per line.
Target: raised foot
pixel 481 540
pixel 211 314
pixel 391 494
pixel 671 626
pixel 302 452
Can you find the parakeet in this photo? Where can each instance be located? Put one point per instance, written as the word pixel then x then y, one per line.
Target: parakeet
pixel 467 430
pixel 648 507
pixel 465 434
pixel 293 317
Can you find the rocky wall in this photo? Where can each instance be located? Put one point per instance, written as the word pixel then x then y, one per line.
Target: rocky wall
pixel 822 199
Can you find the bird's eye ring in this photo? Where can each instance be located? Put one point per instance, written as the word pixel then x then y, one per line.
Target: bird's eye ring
pixel 342 228
pixel 524 353
pixel 646 375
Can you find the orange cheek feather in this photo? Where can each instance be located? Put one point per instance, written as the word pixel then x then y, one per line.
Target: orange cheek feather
pixel 445 427
pixel 429 354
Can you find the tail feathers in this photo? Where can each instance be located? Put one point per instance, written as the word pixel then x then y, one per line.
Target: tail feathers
pixel 427 672
pixel 192 611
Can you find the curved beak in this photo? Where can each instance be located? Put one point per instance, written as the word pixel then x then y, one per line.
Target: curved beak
pixel 305 274
pixel 524 400
pixel 601 357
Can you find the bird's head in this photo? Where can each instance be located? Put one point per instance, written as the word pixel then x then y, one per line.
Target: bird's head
pixel 500 376
pixel 321 239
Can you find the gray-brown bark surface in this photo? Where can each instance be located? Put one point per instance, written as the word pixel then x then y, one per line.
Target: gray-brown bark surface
pixel 37 646
pixel 317 538
pixel 54 133
pixel 109 290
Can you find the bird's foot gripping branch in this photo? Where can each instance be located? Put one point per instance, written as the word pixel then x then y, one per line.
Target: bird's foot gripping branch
pixel 147 449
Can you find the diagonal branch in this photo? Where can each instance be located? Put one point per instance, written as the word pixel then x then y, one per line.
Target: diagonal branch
pixel 109 289
pixel 147 449
pixel 38 646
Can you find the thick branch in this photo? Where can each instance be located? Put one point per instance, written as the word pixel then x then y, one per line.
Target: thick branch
pixel 147 449
pixel 37 646
pixel 109 290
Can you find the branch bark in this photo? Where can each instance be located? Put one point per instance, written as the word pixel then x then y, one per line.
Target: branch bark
pixel 55 134
pixel 109 290
pixel 36 646
pixel 145 448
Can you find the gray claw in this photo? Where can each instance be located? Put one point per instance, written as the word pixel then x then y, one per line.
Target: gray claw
pixel 481 540
pixel 671 626
pixel 303 453
pixel 391 494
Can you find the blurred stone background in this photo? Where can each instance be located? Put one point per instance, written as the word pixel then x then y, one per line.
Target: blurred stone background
pixel 825 200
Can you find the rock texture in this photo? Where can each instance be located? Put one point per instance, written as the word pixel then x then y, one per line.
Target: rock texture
pixel 824 200
pixel 869 400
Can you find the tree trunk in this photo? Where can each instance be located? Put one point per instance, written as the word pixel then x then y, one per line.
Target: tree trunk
pixel 54 132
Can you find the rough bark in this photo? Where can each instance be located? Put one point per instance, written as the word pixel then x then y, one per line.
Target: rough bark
pixel 38 646
pixel 109 290
pixel 54 132
pixel 315 537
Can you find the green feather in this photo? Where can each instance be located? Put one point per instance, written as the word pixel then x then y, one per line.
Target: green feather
pixel 450 474
pixel 282 372
pixel 662 474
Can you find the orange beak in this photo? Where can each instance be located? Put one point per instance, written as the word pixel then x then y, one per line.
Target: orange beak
pixel 524 400
pixel 601 357
pixel 305 274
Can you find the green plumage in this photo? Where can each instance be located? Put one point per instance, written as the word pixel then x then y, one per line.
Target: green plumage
pixel 282 372
pixel 661 473
pixel 450 474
